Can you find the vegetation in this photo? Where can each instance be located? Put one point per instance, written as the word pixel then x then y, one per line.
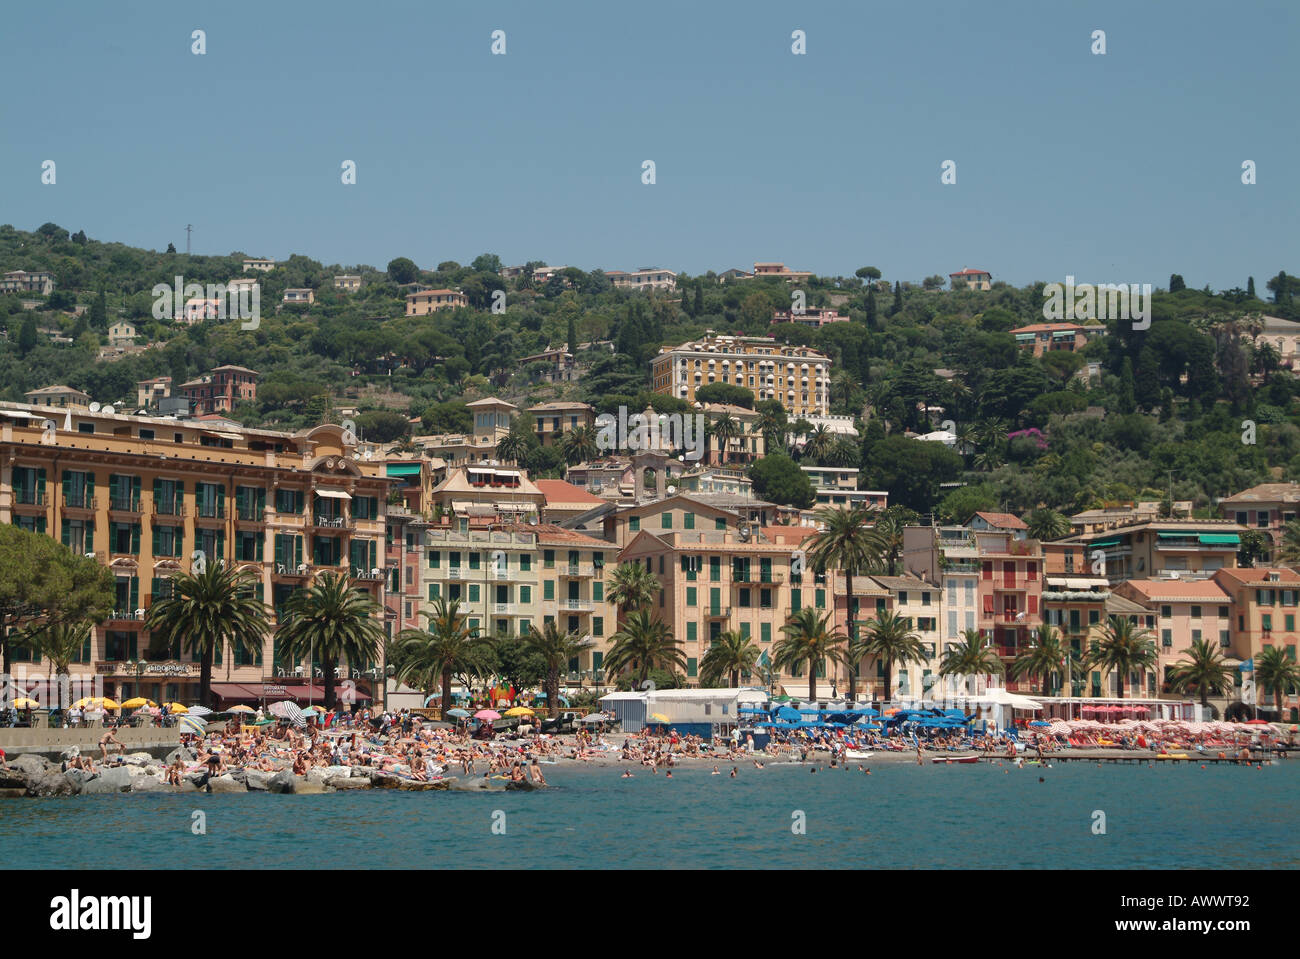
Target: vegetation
pixel 328 621
pixel 447 649
pixel 643 644
pixel 809 641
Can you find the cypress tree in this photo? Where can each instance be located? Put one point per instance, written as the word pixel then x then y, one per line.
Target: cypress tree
pixel 871 308
pixel 573 334
pixel 1126 402
pixel 699 299
pixel 898 298
pixel 1250 287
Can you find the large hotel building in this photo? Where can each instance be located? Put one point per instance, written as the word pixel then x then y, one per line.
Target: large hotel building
pixel 144 496
pixel 798 377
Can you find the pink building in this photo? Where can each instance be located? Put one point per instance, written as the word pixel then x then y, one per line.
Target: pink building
pixel 1184 613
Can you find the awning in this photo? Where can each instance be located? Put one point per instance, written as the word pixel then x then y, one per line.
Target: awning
pixel 20 415
pixel 332 494
pixel 1178 535
pixel 403 469
pixel 224 436
pixel 1103 543
pixel 1222 539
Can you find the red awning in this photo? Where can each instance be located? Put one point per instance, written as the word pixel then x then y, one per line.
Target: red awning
pixel 253 692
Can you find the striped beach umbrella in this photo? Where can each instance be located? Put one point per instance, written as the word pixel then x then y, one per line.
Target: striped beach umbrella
pixel 200 711
pixel 287 709
pixel 193 724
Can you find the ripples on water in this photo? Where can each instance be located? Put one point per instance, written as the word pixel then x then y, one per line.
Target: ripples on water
pixel 899 817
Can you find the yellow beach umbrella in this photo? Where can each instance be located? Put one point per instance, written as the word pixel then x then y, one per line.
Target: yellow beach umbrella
pixel 176 708
pixel 138 702
pixel 101 702
pixel 660 717
pixel 519 711
pixel 241 708
pixel 26 703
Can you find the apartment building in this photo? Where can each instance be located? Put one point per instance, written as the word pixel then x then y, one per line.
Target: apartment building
pixel 644 279
pixel 814 317
pixel 1267 507
pixel 1265 605
pixel 748 443
pixel 260 264
pixel 220 390
pixel 21 281
pixel 512 577
pixel 1184 612
pixel 796 376
pixel 488 492
pixel 714 581
pixel 552 420
pixel 348 282
pixel 686 513
pixel 777 271
pixel 58 397
pixel 143 495
pixel 838 486
pixel 300 296
pixel 919 603
pixel 424 302
pixel 1145 550
pixel 149 393
pixel 404 535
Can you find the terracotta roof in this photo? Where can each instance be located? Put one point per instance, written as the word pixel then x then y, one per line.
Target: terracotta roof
pixel 971 273
pixel 1050 327
pixel 550 533
pixel 1003 520
pixel 558 491
pixel 1259 575
pixel 1266 493
pixel 1175 590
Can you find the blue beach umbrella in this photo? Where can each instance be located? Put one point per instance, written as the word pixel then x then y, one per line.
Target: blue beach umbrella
pixel 786 713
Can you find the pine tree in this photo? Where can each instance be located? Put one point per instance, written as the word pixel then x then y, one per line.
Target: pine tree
pixel 1250 287
pixel 27 334
pixel 1126 403
pixel 1176 283
pixel 171 247
pixel 98 319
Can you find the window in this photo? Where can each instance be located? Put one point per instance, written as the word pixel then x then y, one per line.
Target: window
pixel 1196 635
pixel 288 501
pixel 525 562
pixel 168 540
pixel 634 524
pixel 691 596
pixel 1196 612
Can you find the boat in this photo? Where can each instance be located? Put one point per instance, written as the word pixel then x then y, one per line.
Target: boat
pixel 856 754
pixel 946 760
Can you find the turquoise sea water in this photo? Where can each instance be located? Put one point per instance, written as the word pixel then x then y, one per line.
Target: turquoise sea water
pixel 901 816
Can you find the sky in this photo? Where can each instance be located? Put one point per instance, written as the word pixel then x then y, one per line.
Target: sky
pixel 1122 167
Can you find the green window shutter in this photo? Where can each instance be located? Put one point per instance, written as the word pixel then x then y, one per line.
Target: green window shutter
pixel 66 531
pixel 135 539
pixel 598 591
pixel 67 486
pixel 112 486
pixel 134 651
pixel 765 632
pixel 373 556
pixel 524 626
pixel 40 484
pixel 135 487
pixel 297 551
pixel 689 520
pixel 525 562
pixel 820 598
pixel 221 544
pixel 692 667
pixel 216 655
pixel 666 519
pixel 598 629
pixel 433 592
pixel 435 559
pixel 156 540
pixel 473 560
pixel 279 549
pixel 690 596
pixel 134 592
pixel 85 650
pixel 796 600
pixel 90 537
pixel 90 485
pixel 525 594
pixel 692 632
pixel 634 524
pixel 744 630
pixel 473 592
pixel 720 523
pixel 548 589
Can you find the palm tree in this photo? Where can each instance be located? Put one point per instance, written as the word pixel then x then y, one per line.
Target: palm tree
pixel 1289 552
pixel 643 644
pixel 809 640
pixel 843 453
pixel 60 643
pixel 1275 669
pixel 818 444
pixel 579 445
pixel 1043 657
pixel 888 532
pixel 447 648
pixel 846 542
pixel 330 620
pixel 213 607
pixel 772 424
pixel 1204 670
pixel 732 652
pixel 406 444
pixel 890 638
pixel 511 448
pixel 971 657
pixel 555 650
pixel 724 429
pixel 1123 648
pixel 1047 524
pixel 632 586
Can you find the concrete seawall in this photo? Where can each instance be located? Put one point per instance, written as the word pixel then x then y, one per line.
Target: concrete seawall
pixel 50 743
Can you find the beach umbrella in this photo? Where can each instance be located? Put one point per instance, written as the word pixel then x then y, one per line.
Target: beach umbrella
pixel 200 711
pixel 786 713
pixel 242 709
pixel 176 708
pixel 26 703
pixel 193 724
pixel 458 713
pixel 1040 723
pixel 137 702
pixel 660 718
pixel 288 709
pixel 314 710
pixel 96 702
pixel 488 714
pixel 594 718
pixel 519 711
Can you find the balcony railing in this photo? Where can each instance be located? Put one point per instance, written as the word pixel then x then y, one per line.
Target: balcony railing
pixel 28 497
pixel 250 514
pixel 164 507
pixel 127 615
pixel 576 570
pixel 372 573
pixel 290 569
pixel 79 500
pixel 718 612
pixel 209 510
pixel 327 521
pixel 124 504
pixel 577 604
pixel 504 609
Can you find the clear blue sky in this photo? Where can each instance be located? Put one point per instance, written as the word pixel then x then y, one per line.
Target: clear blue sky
pixel 1117 168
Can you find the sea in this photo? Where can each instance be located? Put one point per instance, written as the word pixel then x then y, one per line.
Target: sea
pixel 1071 815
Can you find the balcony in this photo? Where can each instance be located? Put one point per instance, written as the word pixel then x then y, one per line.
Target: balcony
pixel 577 605
pixel 126 616
pixel 169 507
pixel 329 521
pixel 374 574
pixel 718 612
pixel 250 514
pixel 577 571
pixel 208 510
pixel 28 497
pixel 290 571
pixel 456 572
pixel 80 500
pixel 124 504
pixel 505 609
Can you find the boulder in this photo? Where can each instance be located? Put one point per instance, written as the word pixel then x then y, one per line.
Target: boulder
pixel 32 765
pixel 304 788
pixel 185 753
pixel 149 784
pixel 114 779
pixel 9 793
pixel 225 784
pixel 52 784
pixel 255 779
pixel 281 782
pixel 347 782
pixel 13 779
pixel 138 759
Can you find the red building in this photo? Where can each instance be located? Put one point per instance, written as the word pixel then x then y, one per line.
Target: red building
pixel 219 390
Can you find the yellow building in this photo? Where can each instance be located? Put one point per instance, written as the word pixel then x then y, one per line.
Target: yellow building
pixel 797 376
pixel 146 496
